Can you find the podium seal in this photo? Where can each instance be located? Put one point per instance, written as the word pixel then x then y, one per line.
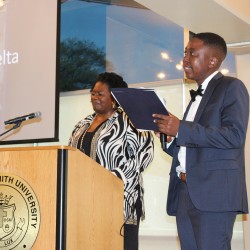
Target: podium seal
pixel 19 213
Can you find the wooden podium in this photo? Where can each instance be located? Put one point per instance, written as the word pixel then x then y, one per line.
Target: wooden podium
pixel 80 202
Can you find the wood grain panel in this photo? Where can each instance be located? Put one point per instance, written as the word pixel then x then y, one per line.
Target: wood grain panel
pixel 96 196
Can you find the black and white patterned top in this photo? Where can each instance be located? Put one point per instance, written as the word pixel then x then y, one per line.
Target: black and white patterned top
pixel 123 150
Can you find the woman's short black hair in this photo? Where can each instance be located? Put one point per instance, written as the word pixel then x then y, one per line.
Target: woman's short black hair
pixel 112 79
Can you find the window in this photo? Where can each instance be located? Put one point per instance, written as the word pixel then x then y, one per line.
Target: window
pixel 118 36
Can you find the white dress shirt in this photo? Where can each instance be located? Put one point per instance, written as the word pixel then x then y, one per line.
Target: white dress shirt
pixel 190 117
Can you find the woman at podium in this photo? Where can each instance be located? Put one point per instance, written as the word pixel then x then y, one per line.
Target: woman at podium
pixel 108 137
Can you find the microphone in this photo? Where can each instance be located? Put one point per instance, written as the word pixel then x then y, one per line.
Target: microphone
pixel 23 118
pixel 163 139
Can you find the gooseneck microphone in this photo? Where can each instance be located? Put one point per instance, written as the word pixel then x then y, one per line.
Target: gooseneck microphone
pixel 23 118
pixel 163 139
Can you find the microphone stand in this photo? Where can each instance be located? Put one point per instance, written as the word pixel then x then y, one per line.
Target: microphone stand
pixel 17 125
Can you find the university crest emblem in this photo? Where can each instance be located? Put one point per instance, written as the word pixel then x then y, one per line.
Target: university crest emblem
pixel 19 213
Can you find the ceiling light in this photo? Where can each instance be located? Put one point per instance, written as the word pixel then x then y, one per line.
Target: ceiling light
pixel 161 75
pixel 224 71
pixel 1 3
pixel 179 66
pixel 165 56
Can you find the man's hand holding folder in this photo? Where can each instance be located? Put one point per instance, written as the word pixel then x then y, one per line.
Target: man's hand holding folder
pixel 167 124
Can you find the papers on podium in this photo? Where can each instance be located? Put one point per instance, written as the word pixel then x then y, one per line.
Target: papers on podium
pixel 140 105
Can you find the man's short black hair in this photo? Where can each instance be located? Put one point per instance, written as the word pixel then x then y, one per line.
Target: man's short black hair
pixel 213 40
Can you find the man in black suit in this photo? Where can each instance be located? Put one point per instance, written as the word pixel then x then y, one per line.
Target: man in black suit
pixel 207 187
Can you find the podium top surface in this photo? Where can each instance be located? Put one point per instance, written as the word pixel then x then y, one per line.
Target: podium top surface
pixel 37 148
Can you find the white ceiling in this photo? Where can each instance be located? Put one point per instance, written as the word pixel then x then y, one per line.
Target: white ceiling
pixel 229 18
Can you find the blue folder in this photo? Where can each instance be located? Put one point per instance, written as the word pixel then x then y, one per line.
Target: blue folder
pixel 140 105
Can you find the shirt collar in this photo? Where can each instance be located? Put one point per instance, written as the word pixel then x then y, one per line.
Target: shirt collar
pixel 207 80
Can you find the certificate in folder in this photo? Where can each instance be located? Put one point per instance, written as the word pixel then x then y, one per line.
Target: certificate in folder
pixel 140 105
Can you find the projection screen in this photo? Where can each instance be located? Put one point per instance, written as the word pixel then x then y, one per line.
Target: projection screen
pixel 29 38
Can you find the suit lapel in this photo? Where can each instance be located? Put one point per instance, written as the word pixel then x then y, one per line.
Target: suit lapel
pixel 186 111
pixel 207 95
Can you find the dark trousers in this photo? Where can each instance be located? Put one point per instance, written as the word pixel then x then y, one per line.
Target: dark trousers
pixel 131 232
pixel 199 230
pixel 131 237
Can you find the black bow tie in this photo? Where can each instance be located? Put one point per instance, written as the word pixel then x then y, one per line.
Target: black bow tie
pixel 194 93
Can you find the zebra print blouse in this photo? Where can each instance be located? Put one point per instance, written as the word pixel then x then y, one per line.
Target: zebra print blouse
pixel 123 150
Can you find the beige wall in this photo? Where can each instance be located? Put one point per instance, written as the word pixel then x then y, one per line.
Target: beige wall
pixel 243 65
